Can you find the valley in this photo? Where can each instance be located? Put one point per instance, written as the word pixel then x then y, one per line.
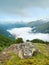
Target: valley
pixel 18 35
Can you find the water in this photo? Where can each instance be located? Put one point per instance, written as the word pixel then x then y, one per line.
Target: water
pixel 26 34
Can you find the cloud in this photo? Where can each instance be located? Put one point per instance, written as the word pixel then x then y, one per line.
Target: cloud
pixel 24 3
pixel 22 8
pixel 26 33
pixel 19 6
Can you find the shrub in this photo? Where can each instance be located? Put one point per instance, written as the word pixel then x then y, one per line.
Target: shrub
pixel 37 41
pixel 19 40
pixel 27 40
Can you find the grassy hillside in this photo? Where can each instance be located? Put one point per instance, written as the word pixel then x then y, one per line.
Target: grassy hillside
pixel 44 28
pixel 5 41
pixel 40 26
pixel 40 59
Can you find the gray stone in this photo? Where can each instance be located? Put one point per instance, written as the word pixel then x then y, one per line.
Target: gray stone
pixel 23 50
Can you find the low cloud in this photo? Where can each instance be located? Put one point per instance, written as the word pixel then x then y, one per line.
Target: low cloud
pixel 26 33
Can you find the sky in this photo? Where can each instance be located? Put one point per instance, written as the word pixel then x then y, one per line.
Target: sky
pixel 23 10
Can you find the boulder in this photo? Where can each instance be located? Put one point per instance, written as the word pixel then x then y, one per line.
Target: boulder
pixel 23 50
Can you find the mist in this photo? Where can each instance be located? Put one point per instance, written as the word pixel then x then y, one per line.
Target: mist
pixel 27 34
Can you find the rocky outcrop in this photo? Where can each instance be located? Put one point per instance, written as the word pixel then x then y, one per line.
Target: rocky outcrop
pixel 23 50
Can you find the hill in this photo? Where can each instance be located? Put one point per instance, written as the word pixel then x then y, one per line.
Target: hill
pixel 35 23
pixel 12 25
pixel 44 28
pixel 5 42
pixel 3 31
pixel 39 26
pixel 11 58
pixel 39 59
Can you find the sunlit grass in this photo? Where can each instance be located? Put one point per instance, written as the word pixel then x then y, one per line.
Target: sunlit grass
pixel 41 58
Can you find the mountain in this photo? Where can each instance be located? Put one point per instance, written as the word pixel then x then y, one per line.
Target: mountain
pixel 5 32
pixel 6 26
pixel 13 25
pixel 35 23
pixel 44 28
pixel 39 26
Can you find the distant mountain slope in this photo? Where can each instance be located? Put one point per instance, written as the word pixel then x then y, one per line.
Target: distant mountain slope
pixel 35 23
pixel 5 26
pixel 5 32
pixel 44 28
pixel 39 26
pixel 13 25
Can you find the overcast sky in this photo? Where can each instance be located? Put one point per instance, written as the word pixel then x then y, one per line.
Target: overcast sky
pixel 23 10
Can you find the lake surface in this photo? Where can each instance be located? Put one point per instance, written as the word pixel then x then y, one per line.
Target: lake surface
pixel 26 34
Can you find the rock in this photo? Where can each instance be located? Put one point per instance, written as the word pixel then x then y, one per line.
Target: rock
pixel 23 50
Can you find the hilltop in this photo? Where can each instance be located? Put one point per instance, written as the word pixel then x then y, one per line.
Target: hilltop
pixel 27 53
pixel 41 58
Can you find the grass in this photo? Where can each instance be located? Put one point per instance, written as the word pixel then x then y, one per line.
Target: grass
pixel 36 60
pixel 43 48
pixel 40 59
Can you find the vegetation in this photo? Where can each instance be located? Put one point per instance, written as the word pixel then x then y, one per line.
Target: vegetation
pixel 27 40
pixel 5 42
pixel 44 28
pixel 39 41
pixel 40 59
pixel 19 40
pixel 40 26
